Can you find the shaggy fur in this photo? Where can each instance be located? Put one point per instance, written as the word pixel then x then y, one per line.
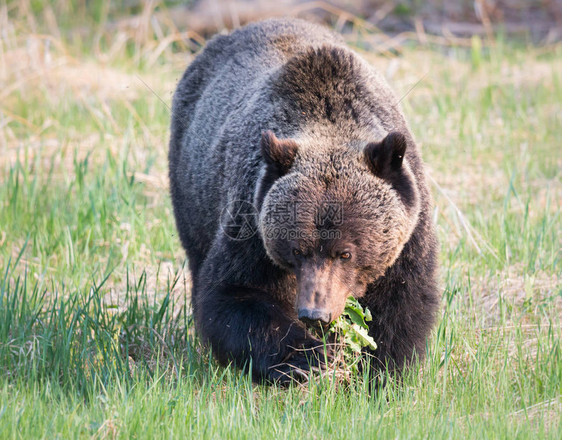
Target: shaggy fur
pixel 285 122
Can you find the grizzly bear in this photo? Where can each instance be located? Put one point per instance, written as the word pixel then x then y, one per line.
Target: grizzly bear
pixel 296 183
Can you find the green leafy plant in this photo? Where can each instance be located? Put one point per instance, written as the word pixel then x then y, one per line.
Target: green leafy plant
pixel 352 332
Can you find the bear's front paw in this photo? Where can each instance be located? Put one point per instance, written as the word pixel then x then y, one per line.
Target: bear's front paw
pixel 310 356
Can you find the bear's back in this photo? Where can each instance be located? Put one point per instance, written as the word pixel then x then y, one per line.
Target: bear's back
pixel 233 67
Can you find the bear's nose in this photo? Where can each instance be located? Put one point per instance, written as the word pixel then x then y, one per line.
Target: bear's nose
pixel 314 317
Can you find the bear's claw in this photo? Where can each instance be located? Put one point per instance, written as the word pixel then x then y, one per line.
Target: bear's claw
pixel 300 363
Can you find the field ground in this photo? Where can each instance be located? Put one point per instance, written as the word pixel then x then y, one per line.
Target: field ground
pixel 95 334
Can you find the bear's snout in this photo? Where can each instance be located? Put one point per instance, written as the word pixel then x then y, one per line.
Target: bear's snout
pixel 321 293
pixel 313 317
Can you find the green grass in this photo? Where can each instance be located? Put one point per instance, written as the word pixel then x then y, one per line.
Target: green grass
pixel 95 334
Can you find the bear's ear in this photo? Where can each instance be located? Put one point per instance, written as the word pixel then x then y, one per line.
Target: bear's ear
pixel 278 153
pixel 386 156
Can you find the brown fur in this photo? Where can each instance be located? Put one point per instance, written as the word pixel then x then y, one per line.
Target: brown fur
pixel 308 142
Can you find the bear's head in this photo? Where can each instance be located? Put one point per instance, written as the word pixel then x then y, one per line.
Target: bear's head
pixel 337 217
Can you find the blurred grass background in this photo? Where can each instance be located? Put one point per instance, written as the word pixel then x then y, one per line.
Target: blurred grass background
pixel 95 333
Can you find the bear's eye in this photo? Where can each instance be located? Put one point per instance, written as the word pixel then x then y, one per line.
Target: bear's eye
pixel 296 252
pixel 345 255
